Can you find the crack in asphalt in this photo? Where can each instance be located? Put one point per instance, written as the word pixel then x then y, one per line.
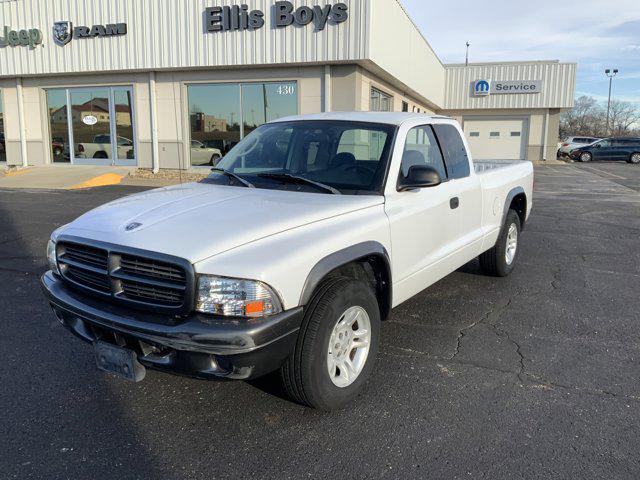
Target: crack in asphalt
pixel 524 376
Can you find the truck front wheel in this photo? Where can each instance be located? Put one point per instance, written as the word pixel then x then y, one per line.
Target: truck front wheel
pixel 337 345
pixel 501 259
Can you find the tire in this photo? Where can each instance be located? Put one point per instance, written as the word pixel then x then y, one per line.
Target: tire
pixel 586 157
pixel 635 158
pixel 100 155
pixel 495 262
pixel 215 158
pixel 306 373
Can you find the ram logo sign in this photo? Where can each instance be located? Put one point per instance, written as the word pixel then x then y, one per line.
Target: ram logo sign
pixel 482 88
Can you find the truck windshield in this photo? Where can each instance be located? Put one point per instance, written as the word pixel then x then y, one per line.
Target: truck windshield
pixel 350 157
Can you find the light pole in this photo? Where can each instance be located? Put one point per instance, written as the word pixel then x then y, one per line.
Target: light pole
pixel 466 62
pixel 610 73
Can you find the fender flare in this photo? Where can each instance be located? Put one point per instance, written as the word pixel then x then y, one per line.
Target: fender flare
pixel 340 258
pixel 510 196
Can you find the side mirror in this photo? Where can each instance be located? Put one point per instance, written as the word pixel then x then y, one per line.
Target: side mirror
pixel 420 176
pixel 598 145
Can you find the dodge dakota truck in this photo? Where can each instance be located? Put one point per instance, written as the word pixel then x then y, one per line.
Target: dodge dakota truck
pixel 289 255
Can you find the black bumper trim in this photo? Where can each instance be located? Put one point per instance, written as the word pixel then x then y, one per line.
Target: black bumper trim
pixel 198 345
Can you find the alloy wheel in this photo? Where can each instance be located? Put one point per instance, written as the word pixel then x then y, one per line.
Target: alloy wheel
pixel 349 347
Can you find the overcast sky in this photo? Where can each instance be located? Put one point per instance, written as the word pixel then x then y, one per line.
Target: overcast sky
pixel 596 34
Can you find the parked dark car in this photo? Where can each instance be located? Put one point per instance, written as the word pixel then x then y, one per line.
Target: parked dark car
pixel 617 148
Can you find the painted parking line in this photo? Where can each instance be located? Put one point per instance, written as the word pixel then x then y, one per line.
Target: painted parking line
pixel 612 175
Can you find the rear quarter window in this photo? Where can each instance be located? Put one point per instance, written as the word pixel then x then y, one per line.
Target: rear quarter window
pixel 454 151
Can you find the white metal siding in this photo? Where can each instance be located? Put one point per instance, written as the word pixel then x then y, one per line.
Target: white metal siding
pixel 170 34
pixel 557 90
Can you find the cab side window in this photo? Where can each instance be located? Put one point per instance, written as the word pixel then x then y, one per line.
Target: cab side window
pixel 421 148
pixel 455 154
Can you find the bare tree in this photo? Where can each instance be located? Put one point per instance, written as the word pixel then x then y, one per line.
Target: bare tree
pixel 589 118
pixel 624 118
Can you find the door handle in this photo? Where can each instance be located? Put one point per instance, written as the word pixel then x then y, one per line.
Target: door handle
pixel 454 203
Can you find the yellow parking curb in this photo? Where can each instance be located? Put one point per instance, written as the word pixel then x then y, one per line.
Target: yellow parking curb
pixel 99 181
pixel 16 172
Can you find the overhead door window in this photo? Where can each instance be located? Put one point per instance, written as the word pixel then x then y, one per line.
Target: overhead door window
pixel 455 153
pixel 220 115
pixel 421 148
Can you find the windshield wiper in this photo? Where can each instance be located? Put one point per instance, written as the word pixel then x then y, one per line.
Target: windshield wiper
pixel 229 174
pixel 297 179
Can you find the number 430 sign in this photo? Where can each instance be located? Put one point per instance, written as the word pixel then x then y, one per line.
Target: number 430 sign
pixel 286 90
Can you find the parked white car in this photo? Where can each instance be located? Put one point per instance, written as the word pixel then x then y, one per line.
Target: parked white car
pixel 101 147
pixel 571 143
pixel 290 254
pixel 202 155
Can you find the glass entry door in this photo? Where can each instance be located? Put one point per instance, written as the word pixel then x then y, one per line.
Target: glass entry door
pixel 100 125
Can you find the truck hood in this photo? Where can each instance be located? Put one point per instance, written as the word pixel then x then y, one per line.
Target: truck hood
pixel 196 221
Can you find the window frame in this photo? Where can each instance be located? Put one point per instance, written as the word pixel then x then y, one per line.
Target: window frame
pixel 437 144
pixel 240 85
pixel 381 93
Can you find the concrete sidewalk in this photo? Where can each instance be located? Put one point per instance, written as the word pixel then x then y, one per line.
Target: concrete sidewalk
pixel 74 177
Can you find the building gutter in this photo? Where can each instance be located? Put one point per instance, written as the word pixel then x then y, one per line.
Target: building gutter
pixel 155 151
pixel 327 88
pixel 545 141
pixel 21 123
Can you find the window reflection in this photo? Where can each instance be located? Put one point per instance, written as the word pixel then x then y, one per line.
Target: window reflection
pixel 221 114
pixel 59 125
pixel 91 124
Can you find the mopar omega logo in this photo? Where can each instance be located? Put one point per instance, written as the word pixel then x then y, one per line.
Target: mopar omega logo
pixel 482 88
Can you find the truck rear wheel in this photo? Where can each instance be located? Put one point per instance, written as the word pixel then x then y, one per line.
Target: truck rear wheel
pixel 337 345
pixel 501 259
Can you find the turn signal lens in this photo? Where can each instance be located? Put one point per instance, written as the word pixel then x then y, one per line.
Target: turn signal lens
pixel 51 257
pixel 232 297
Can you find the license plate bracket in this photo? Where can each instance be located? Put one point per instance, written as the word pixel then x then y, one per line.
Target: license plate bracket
pixel 118 361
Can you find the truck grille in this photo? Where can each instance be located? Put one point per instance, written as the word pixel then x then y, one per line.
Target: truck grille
pixel 141 279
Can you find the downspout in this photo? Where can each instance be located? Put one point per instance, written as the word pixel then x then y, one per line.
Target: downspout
pixel 21 124
pixel 327 88
pixel 155 153
pixel 546 136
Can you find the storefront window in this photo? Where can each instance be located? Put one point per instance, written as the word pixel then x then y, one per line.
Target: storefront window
pixel 3 149
pixel 59 125
pixel 221 115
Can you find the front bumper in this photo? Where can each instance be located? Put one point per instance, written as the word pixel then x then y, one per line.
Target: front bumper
pixel 200 346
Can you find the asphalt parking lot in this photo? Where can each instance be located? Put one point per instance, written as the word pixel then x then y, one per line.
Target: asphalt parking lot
pixel 534 376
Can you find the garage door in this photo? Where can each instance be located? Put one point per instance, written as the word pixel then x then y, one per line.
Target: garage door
pixel 496 139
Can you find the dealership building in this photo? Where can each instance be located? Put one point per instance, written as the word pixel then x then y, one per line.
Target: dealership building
pixel 176 83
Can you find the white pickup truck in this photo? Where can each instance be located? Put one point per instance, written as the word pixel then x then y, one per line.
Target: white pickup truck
pixel 289 255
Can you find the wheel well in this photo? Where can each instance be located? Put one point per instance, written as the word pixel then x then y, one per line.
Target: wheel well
pixel 375 271
pixel 519 205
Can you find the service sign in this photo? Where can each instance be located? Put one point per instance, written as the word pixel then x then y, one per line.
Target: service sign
pixel 483 88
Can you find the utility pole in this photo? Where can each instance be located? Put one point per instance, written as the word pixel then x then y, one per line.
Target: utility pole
pixel 610 73
pixel 466 62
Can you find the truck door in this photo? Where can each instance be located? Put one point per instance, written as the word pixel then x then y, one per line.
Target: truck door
pixel 420 219
pixel 466 195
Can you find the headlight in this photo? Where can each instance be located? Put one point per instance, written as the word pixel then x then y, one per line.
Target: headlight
pixel 51 257
pixel 233 297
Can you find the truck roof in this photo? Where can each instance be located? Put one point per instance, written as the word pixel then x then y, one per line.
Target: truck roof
pixel 391 118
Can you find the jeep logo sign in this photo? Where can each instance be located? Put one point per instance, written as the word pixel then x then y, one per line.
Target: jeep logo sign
pixel 26 38
pixel 239 17
pixel 482 88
